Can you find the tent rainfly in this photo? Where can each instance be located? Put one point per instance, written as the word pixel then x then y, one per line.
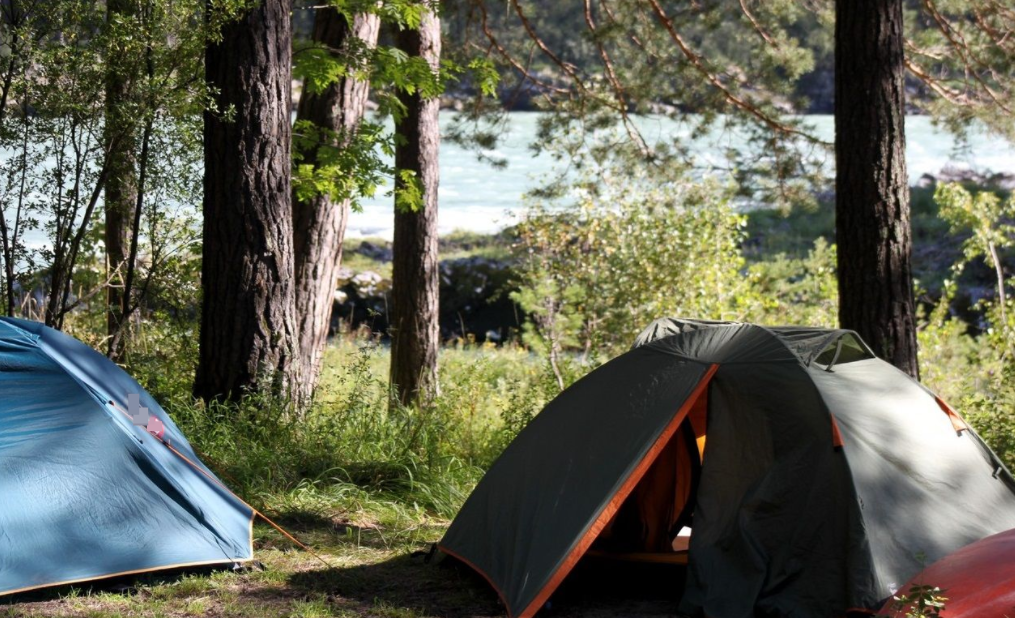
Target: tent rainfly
pixel 85 493
pixel 978 580
pixel 814 477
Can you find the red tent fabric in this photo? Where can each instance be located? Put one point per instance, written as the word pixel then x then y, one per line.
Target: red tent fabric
pixel 978 580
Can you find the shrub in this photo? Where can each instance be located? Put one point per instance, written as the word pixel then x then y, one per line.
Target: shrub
pixel 596 271
pixel 792 290
pixel 988 400
pixel 351 449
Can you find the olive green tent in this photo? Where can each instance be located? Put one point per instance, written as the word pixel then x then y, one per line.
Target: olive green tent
pixel 814 477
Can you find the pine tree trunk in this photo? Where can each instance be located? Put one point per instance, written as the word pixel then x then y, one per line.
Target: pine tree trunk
pixel 248 340
pixel 414 277
pixel 121 185
pixel 319 223
pixel 872 195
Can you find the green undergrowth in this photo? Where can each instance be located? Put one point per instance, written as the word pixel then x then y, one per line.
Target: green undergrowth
pixel 354 455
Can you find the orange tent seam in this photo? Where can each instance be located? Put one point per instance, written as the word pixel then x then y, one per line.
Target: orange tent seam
pixel 614 504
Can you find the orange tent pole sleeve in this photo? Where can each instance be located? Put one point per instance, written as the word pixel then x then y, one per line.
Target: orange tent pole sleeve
pixel 836 434
pixel 958 423
pixel 618 498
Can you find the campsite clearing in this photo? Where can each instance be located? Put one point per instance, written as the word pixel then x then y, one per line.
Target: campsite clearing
pixel 368 538
pixel 374 576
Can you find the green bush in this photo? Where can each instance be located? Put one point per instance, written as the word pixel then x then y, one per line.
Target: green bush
pixel 596 271
pixel 980 373
pixel 350 449
pixel 792 290
pixel 953 363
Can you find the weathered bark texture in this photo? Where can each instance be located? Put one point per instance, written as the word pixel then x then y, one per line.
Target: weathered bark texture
pixel 414 276
pixel 121 185
pixel 872 194
pixel 319 223
pixel 248 328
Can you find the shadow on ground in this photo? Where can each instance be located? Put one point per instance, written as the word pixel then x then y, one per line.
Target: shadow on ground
pixel 403 586
pixel 448 589
pixel 121 584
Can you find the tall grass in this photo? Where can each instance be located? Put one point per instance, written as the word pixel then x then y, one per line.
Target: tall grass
pixel 353 451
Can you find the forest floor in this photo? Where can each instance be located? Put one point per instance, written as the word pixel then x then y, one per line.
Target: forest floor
pixel 372 573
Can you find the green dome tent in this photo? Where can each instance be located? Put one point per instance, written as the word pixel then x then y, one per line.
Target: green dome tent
pixel 813 476
pixel 85 493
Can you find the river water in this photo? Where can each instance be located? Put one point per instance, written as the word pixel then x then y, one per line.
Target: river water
pixel 475 196
pixel 478 197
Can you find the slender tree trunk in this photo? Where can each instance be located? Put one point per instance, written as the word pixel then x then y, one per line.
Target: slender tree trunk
pixel 872 194
pixel 121 186
pixel 319 223
pixel 999 270
pixel 248 340
pixel 116 346
pixel 414 277
pixel 128 303
pixel 8 237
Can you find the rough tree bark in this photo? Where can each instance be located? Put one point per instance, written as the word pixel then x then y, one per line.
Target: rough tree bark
pixel 319 223
pixel 248 338
pixel 872 194
pixel 414 282
pixel 121 186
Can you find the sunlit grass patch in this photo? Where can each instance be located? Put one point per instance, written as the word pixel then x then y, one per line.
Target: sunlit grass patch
pixel 315 608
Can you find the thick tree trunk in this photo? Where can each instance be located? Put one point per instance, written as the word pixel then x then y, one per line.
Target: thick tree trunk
pixel 872 195
pixel 248 328
pixel 121 186
pixel 319 223
pixel 414 282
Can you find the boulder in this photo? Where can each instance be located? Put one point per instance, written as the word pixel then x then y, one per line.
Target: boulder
pixel 474 300
pixel 378 252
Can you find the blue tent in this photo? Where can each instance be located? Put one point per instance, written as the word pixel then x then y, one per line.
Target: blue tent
pixel 84 492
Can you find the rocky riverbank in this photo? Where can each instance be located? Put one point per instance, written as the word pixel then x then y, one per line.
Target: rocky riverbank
pixel 476 279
